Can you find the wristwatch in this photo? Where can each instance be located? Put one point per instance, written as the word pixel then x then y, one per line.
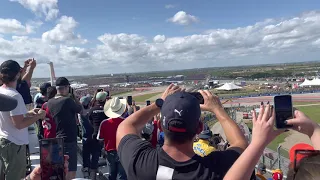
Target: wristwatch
pixel 159 103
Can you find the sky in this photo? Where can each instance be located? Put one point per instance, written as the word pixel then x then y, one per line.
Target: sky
pixel 84 37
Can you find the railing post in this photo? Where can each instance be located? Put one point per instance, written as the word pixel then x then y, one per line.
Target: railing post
pixel 279 156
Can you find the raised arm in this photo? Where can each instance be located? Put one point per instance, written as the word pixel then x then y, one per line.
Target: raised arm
pixel 230 128
pixel 135 123
pixel 28 75
pixel 262 134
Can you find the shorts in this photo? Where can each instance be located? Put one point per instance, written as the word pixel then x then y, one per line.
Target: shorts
pixel 13 159
pixel 70 149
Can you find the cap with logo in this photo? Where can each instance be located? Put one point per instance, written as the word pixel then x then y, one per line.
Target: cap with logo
pixel 62 81
pixel 10 67
pixel 180 112
pixel 101 96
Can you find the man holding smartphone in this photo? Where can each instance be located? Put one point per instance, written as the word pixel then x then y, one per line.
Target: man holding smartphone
pixel 64 108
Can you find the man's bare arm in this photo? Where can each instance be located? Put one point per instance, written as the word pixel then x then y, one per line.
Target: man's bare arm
pixel 21 122
pixel 231 129
pixel 135 122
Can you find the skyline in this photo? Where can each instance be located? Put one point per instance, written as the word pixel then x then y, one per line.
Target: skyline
pixel 100 37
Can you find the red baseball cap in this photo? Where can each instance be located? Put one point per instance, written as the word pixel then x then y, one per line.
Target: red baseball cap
pixel 300 146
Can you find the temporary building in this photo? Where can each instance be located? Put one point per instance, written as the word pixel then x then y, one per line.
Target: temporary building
pixel 313 82
pixel 229 87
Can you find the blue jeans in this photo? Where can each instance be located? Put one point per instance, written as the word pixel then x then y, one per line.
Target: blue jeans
pixel 115 167
pixel 91 151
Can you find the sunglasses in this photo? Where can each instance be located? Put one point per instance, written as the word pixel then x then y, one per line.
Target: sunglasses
pixel 304 153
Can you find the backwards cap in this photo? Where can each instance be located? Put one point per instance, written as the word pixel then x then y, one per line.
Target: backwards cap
pixel 300 146
pixel 180 112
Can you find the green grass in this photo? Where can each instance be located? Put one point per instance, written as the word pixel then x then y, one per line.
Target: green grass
pixel 312 112
pixel 278 140
pixel 143 98
pixel 305 103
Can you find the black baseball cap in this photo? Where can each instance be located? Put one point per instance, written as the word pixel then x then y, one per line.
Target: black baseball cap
pixel 62 81
pixel 7 103
pixel 180 113
pixel 206 134
pixel 10 67
pixel 44 87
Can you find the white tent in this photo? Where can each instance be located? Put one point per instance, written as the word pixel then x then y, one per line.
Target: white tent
pixel 313 82
pixel 228 87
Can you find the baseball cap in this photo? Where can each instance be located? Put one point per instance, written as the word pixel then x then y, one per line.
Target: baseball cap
pixel 299 146
pixel 10 67
pixel 44 87
pixel 206 134
pixel 101 96
pixel 85 100
pixel 148 129
pixel 7 103
pixel 62 81
pixel 180 112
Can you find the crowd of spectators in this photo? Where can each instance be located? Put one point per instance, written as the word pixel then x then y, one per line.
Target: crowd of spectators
pixel 164 140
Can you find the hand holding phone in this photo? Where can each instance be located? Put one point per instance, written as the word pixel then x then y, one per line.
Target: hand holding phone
pixel 129 100
pixel 52 158
pixel 283 110
pixel 198 96
pixel 148 102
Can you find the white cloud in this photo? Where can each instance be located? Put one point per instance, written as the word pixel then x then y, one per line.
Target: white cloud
pixel 272 40
pixel 182 18
pixel 169 6
pixel 13 26
pixel 64 32
pixel 159 38
pixel 47 8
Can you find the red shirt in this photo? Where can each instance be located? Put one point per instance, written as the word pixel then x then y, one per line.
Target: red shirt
pixel 154 139
pixel 107 132
pixel 48 124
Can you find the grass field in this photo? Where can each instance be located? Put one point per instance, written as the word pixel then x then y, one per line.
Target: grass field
pixel 143 98
pixel 312 112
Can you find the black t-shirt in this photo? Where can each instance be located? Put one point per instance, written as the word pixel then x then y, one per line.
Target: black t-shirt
pixel 141 161
pixel 24 89
pixel 63 110
pixel 96 116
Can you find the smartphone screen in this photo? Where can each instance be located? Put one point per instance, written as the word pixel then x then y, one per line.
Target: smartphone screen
pixel 148 103
pixel 129 100
pixel 198 96
pixel 52 159
pixel 283 110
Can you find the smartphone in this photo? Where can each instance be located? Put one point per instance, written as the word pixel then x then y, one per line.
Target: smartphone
pixel 283 110
pixel 148 102
pixel 198 96
pixel 100 90
pixel 129 100
pixel 52 159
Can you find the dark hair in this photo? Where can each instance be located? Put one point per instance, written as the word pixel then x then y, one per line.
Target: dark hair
pixel 7 78
pixel 146 136
pixel 178 137
pixel 308 169
pixel 51 92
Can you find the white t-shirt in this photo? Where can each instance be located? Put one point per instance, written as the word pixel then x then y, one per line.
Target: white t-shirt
pixel 7 129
